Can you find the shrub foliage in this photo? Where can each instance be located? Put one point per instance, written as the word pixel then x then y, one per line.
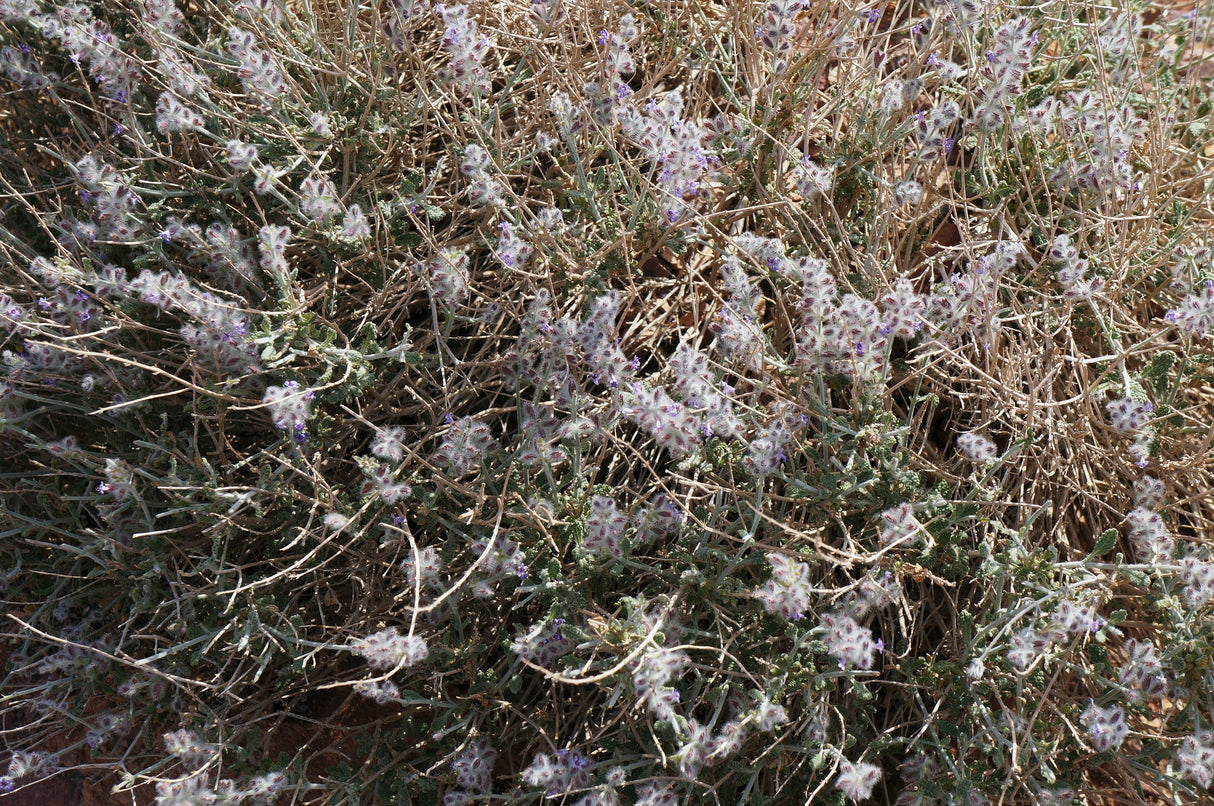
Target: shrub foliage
pixel 651 403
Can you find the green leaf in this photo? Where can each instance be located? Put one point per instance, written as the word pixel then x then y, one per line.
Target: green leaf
pixel 1105 544
pixel 1160 365
pixel 1137 578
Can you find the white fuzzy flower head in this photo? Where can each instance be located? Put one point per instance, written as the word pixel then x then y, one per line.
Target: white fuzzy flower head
pixel 320 124
pixel 1148 493
pixel 856 781
pixel 898 525
pixel 1196 759
pixel 848 642
pixel 473 765
pixel 909 193
pixel 769 714
pixel 389 443
pixel 786 594
pixel 1026 646
pixel 355 225
pixel 1127 416
pixel 185 744
pixel 336 521
pixel 976 447
pixel 1106 726
pixel 266 786
pixel 382 692
pixel 388 649
pixel 814 181
pixel 241 156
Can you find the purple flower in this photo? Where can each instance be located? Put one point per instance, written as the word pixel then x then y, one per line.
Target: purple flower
pixel 874 15
pixel 604 37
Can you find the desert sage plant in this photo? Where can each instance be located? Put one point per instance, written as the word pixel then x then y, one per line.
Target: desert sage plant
pixel 655 403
